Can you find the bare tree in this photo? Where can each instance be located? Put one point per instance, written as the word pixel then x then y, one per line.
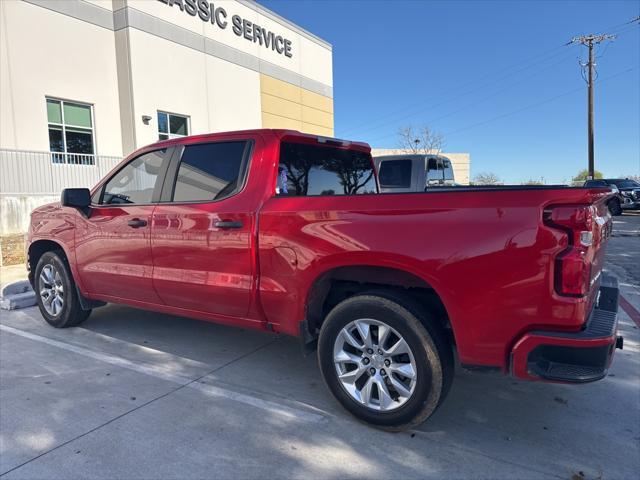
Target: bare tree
pixel 630 177
pixel 487 178
pixel 533 181
pixel 421 140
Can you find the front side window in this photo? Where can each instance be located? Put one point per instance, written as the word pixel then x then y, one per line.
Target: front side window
pixel 210 171
pixel 134 184
pixel 395 173
pixel 171 125
pixel 318 170
pixel 71 135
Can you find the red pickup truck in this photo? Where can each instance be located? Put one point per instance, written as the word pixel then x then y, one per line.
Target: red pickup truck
pixel 283 231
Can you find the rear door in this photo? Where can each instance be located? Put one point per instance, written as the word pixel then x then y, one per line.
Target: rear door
pixel 202 230
pixel 113 244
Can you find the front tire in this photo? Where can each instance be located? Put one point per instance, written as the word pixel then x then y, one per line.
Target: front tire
pixel 615 208
pixel 381 363
pixel 56 292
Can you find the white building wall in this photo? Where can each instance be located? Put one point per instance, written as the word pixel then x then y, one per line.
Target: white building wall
pixel 215 94
pixel 130 58
pixel 60 57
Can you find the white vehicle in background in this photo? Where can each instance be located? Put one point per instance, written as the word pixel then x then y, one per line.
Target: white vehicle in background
pixel 413 173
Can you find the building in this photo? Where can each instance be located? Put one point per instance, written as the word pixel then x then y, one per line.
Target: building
pixel 85 82
pixel 461 162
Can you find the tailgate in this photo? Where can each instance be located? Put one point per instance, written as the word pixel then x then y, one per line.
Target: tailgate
pixel 602 226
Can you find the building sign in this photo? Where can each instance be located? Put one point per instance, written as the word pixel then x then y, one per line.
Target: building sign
pixel 208 12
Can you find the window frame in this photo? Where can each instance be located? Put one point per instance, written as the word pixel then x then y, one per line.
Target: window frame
pixel 170 135
pixel 411 162
pixel 64 126
pixel 171 178
pixel 155 196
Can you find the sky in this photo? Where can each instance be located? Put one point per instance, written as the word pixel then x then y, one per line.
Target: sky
pixel 494 77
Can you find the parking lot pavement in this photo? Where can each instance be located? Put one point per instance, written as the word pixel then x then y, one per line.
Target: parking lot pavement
pixel 140 395
pixel 623 251
pixel 134 394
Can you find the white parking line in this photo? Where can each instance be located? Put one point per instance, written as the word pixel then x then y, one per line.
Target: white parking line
pixel 161 373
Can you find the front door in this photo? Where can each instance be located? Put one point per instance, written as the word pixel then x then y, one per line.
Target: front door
pixel 113 244
pixel 202 232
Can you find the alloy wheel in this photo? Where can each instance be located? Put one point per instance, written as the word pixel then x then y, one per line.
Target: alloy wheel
pixel 374 364
pixel 51 290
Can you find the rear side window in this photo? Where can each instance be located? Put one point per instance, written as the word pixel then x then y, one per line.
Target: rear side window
pixel 318 170
pixel 395 173
pixel 210 171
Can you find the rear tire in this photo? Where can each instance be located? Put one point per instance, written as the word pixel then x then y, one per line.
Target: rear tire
pixel 350 373
pixel 56 292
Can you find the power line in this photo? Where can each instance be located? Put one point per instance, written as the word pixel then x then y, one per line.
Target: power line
pixel 401 114
pixel 483 99
pixel 487 81
pixel 536 104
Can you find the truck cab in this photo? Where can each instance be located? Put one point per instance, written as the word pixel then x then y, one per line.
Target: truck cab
pixel 413 173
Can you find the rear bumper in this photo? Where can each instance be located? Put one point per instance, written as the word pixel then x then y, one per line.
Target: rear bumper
pixel 576 357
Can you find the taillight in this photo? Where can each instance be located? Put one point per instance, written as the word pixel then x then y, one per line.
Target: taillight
pixel 573 267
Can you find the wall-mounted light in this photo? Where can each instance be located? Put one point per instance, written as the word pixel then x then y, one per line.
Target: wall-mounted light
pixel 146 119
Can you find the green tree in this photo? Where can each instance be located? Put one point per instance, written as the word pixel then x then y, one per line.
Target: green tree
pixel 582 176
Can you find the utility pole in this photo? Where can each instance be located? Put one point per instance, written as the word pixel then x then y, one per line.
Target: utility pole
pixel 589 41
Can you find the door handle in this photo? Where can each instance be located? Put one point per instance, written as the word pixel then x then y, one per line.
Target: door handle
pixel 137 223
pixel 227 224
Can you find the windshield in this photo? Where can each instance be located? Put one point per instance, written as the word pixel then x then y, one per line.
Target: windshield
pixel 626 183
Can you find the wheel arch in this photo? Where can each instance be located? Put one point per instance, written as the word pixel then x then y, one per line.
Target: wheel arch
pixel 338 283
pixel 39 247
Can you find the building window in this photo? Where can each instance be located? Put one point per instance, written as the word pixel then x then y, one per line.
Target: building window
pixel 71 132
pixel 171 125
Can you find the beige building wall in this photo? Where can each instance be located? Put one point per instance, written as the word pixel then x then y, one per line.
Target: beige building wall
pixel 288 106
pixel 461 162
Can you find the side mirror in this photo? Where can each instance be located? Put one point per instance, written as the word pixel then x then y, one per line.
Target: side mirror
pixel 79 198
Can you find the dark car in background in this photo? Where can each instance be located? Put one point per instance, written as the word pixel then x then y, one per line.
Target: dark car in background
pixel 627 193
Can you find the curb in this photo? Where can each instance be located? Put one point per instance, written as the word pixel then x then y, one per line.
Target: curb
pixel 18 300
pixel 17 295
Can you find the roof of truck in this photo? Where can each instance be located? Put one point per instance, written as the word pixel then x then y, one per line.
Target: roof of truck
pixel 279 133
